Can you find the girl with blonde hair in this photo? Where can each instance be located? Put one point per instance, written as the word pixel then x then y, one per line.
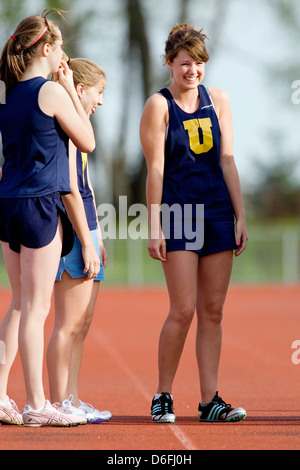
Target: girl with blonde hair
pixel 75 295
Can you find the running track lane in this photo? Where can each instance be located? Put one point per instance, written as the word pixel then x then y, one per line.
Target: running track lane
pixel 119 373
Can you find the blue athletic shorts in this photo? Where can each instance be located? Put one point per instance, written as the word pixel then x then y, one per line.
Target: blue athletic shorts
pixel 32 222
pixel 218 236
pixel 73 262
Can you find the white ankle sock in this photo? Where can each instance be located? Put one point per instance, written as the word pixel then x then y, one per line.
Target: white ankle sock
pixel 157 395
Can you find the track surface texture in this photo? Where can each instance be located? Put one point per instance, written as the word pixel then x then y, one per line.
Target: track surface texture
pixel 119 373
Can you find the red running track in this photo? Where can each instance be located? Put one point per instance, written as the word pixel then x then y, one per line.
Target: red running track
pixel 119 373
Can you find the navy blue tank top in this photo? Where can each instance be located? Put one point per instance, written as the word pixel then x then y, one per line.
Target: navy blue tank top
pixel 35 148
pixel 85 190
pixel 193 174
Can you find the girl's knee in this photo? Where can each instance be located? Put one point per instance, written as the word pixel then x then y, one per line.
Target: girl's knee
pixel 184 315
pixel 212 312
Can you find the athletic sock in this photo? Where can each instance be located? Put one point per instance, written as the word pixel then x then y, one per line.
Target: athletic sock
pixel 157 395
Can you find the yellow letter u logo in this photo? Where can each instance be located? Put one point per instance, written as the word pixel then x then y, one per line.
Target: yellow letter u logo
pixel 192 127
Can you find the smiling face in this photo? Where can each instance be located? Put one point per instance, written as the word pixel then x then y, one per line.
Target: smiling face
pixel 187 72
pixel 91 96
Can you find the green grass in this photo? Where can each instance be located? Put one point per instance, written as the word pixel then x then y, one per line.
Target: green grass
pixel 272 255
pixel 3 274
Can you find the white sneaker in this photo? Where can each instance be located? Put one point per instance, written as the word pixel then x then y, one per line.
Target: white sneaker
pixel 77 413
pixel 49 415
pixel 9 413
pixel 94 416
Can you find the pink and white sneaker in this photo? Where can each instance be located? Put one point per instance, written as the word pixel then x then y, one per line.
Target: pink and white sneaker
pixel 9 413
pixel 50 415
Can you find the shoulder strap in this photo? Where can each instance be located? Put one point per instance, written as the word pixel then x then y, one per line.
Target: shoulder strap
pixel 166 93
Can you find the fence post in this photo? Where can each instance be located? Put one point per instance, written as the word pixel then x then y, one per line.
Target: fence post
pixel 290 256
pixel 135 267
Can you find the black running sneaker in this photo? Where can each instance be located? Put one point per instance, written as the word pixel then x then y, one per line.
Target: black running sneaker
pixel 162 409
pixel 218 410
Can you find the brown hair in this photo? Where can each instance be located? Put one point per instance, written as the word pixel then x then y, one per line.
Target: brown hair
pixel 184 36
pixel 86 72
pixel 21 48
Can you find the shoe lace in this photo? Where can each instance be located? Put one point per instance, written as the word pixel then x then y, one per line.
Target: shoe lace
pixel 87 406
pixel 67 403
pixel 220 401
pixel 56 409
pixel 13 405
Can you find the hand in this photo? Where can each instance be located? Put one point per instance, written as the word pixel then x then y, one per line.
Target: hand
pixel 157 248
pixel 241 236
pixel 65 77
pixel 91 262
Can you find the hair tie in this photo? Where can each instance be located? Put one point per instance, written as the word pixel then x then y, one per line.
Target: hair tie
pixel 13 37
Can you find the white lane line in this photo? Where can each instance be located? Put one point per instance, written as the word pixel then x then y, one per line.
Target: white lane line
pixel 175 429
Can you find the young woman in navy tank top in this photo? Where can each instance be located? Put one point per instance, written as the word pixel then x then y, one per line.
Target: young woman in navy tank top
pixel 74 295
pixel 186 135
pixel 36 122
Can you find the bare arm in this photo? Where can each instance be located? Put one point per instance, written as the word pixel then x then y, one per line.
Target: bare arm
pixel 231 177
pixel 75 209
pixel 61 101
pixel 100 240
pixel 152 134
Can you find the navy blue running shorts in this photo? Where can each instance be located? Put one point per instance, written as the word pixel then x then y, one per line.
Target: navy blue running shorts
pixel 32 222
pixel 73 262
pixel 218 236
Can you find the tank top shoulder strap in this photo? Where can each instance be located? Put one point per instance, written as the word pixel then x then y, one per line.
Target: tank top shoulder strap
pixel 37 84
pixel 166 93
pixel 205 99
pixel 31 89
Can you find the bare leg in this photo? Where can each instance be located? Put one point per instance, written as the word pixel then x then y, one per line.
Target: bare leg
pixel 74 300
pixel 213 281
pixel 38 271
pixel 9 326
pixel 79 346
pixel 181 276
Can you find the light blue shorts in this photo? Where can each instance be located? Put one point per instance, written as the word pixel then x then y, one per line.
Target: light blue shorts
pixel 73 262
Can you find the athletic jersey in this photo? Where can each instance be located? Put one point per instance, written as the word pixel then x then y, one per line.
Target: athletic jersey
pixel 85 190
pixel 34 146
pixel 193 174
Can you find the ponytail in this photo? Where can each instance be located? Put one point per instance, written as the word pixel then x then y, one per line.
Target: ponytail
pixel 22 47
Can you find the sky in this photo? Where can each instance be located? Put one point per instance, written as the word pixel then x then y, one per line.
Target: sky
pixel 253 41
pixel 261 101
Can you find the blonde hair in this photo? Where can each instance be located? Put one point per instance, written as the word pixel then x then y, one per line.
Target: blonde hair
pixel 22 47
pixel 184 36
pixel 85 71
